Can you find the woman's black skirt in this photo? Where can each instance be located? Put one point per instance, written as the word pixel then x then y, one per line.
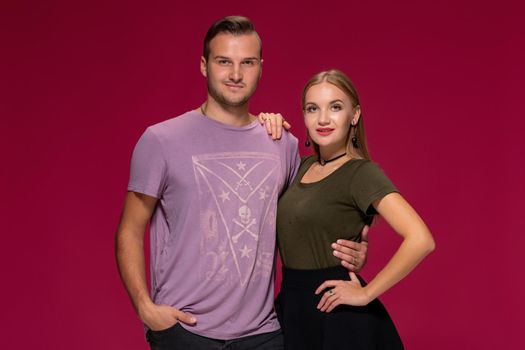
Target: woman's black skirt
pixel 346 327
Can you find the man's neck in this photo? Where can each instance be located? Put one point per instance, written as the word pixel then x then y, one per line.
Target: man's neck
pixel 234 116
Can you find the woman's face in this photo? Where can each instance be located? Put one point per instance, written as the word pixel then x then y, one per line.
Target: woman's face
pixel 328 115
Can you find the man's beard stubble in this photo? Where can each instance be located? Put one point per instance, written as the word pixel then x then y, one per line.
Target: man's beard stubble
pixel 221 99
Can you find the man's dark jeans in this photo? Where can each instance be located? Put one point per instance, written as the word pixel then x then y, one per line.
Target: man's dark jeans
pixel 176 338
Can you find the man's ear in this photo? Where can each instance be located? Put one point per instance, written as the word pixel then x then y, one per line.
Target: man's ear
pixel 203 67
pixel 260 72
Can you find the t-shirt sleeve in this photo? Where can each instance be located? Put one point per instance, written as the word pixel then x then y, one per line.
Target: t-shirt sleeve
pixel 294 160
pixel 148 166
pixel 369 184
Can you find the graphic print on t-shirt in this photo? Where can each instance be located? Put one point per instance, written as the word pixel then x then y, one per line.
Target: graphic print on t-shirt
pixel 236 191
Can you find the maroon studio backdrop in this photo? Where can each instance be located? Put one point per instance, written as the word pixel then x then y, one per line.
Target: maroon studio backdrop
pixel 441 88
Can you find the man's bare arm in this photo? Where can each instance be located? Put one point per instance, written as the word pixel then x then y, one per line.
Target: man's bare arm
pixel 129 250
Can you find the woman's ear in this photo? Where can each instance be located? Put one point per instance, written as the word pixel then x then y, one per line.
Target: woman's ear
pixel 356 115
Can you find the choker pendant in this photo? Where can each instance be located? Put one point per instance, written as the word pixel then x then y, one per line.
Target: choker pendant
pixel 323 161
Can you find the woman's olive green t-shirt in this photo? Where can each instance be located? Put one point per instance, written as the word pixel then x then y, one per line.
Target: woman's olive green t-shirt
pixel 311 216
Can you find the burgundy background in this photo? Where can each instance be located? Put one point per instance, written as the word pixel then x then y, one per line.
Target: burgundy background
pixel 440 84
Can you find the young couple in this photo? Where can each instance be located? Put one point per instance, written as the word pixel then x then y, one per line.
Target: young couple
pixel 219 193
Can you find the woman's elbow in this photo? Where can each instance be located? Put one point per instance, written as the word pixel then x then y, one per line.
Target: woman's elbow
pixel 423 242
pixel 429 244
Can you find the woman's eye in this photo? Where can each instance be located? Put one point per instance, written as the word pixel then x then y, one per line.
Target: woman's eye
pixel 337 107
pixel 310 109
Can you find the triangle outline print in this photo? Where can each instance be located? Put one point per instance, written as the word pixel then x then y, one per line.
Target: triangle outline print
pixel 243 174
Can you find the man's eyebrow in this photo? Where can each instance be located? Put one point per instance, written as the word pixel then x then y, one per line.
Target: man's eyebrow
pixel 244 59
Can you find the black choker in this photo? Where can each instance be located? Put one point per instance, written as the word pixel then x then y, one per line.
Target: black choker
pixel 323 162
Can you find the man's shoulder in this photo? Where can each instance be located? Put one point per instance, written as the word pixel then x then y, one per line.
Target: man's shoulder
pixel 289 139
pixel 286 144
pixel 289 136
pixel 174 122
pixel 172 126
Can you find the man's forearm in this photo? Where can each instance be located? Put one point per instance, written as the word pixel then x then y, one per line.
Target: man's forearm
pixel 131 265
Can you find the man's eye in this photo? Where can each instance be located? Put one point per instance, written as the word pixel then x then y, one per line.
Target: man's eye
pixel 224 62
pixel 248 63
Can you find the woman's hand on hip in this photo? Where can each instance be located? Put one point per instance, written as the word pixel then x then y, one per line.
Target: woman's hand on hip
pixel 339 292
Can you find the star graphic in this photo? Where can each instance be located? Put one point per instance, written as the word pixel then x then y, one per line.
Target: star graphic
pixel 241 166
pixel 225 196
pixel 245 251
pixel 262 194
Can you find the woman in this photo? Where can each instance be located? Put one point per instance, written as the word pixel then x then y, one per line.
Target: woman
pixel 338 189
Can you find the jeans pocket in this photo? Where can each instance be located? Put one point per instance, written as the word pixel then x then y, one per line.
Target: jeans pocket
pixel 151 334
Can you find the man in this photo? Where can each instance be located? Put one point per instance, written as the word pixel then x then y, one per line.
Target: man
pixel 209 181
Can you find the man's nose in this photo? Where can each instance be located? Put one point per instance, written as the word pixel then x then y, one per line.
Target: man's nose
pixel 236 74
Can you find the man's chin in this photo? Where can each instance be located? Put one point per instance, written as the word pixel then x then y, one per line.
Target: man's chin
pixel 237 104
pixel 234 103
pixel 231 101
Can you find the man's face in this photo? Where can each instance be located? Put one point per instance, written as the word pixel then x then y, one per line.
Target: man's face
pixel 233 68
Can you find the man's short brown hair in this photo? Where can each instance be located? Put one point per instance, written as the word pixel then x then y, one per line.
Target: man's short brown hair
pixel 235 25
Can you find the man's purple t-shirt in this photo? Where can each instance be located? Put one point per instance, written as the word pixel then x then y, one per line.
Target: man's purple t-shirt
pixel 213 234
